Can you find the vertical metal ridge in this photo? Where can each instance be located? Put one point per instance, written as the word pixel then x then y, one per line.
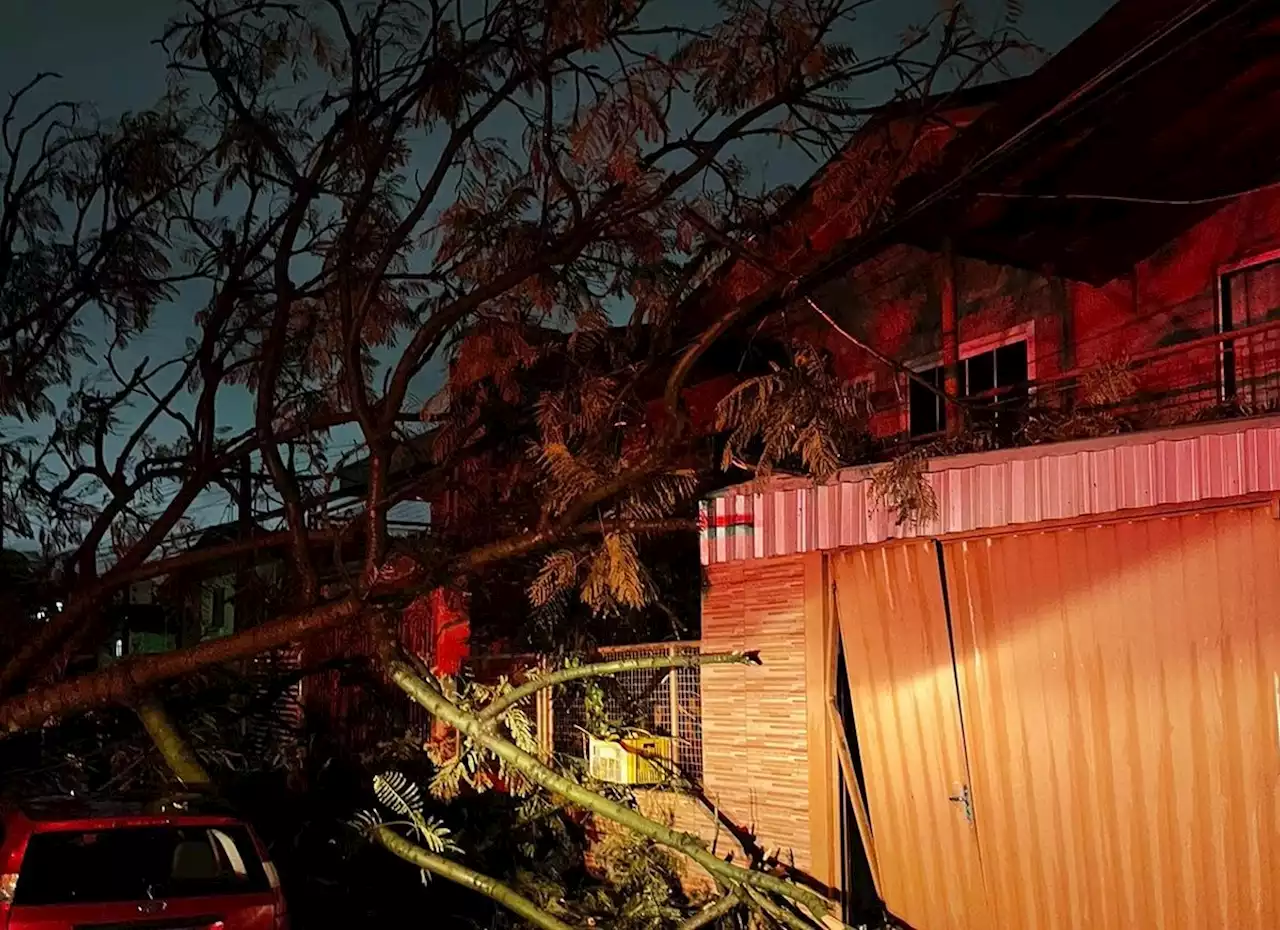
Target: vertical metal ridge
pixel 996 490
pixel 1118 683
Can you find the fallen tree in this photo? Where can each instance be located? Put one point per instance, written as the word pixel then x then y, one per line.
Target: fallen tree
pixel 743 886
pixel 331 182
pixel 536 197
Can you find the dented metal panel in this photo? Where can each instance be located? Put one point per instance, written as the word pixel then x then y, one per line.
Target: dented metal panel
pixel 1121 693
pixel 1007 488
pixel 893 627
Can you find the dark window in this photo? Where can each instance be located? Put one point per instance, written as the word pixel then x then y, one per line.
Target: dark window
pixel 1001 374
pixel 928 412
pixel 1004 369
pixel 1012 365
pixel 138 864
pixel 1246 298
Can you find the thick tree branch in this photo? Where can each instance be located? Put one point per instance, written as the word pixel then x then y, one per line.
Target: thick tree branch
pixel 456 872
pixel 173 747
pixel 712 912
pixel 116 683
pixel 516 546
pixel 499 706
pixel 536 771
pixel 779 914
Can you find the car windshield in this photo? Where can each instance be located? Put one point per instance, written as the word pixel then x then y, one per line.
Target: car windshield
pixel 137 864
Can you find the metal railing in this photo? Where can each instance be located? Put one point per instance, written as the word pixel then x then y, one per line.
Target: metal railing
pixel 1211 377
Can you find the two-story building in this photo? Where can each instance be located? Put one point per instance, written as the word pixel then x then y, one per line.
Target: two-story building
pixel 1051 698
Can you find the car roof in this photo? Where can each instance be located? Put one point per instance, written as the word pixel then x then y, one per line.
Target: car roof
pixel 68 810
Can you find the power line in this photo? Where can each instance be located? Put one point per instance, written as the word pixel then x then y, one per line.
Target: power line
pixel 833 266
pixel 1134 199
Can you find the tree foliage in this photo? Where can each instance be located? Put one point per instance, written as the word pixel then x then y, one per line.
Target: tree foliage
pixel 801 414
pixel 336 201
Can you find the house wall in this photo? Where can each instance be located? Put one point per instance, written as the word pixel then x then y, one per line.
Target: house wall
pixel 1118 687
pixel 768 588
pixel 894 303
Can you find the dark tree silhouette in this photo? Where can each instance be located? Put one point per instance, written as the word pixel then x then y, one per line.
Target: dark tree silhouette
pixel 549 195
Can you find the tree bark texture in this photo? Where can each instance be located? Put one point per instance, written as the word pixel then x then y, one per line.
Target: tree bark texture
pixel 548 779
pixel 116 683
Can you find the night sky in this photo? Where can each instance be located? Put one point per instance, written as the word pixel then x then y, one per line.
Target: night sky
pixel 102 49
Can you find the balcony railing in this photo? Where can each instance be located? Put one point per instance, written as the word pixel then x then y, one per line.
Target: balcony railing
pixel 1214 377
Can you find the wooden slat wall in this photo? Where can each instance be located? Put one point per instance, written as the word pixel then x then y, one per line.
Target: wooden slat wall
pixel 754 722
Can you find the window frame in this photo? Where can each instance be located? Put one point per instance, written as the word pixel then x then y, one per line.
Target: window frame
pixel 979 345
pixel 1226 347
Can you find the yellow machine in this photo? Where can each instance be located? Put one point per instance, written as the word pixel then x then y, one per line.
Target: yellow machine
pixel 636 759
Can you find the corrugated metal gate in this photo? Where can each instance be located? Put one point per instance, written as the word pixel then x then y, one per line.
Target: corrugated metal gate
pixel 1117 690
pixel 893 626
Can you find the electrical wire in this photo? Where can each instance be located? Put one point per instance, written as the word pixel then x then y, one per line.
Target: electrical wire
pixel 1022 136
pixel 1126 198
pixel 833 266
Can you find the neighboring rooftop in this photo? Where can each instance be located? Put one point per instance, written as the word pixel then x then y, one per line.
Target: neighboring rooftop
pixel 1144 125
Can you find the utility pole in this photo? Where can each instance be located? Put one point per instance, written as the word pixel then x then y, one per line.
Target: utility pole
pixel 244 519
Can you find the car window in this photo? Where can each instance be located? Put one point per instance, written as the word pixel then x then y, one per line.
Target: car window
pixel 137 864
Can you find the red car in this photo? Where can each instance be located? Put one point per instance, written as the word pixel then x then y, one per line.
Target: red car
pixel 72 866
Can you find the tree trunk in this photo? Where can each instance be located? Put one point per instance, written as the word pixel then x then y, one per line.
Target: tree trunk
pixel 186 767
pixel 177 754
pixel 115 684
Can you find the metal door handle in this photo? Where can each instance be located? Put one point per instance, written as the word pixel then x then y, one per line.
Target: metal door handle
pixel 961 796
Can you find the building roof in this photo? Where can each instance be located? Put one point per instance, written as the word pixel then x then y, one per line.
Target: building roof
pixel 789 241
pixel 1148 122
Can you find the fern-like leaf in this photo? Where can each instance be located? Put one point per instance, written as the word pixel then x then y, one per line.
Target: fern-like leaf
pixel 366 820
pixel 397 793
pixel 802 413
pixel 558 572
pixel 903 487
pixel 616 577
pixel 436 837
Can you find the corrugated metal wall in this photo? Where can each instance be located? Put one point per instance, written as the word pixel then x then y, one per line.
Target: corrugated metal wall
pixel 902 680
pixel 1018 486
pixel 1121 693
